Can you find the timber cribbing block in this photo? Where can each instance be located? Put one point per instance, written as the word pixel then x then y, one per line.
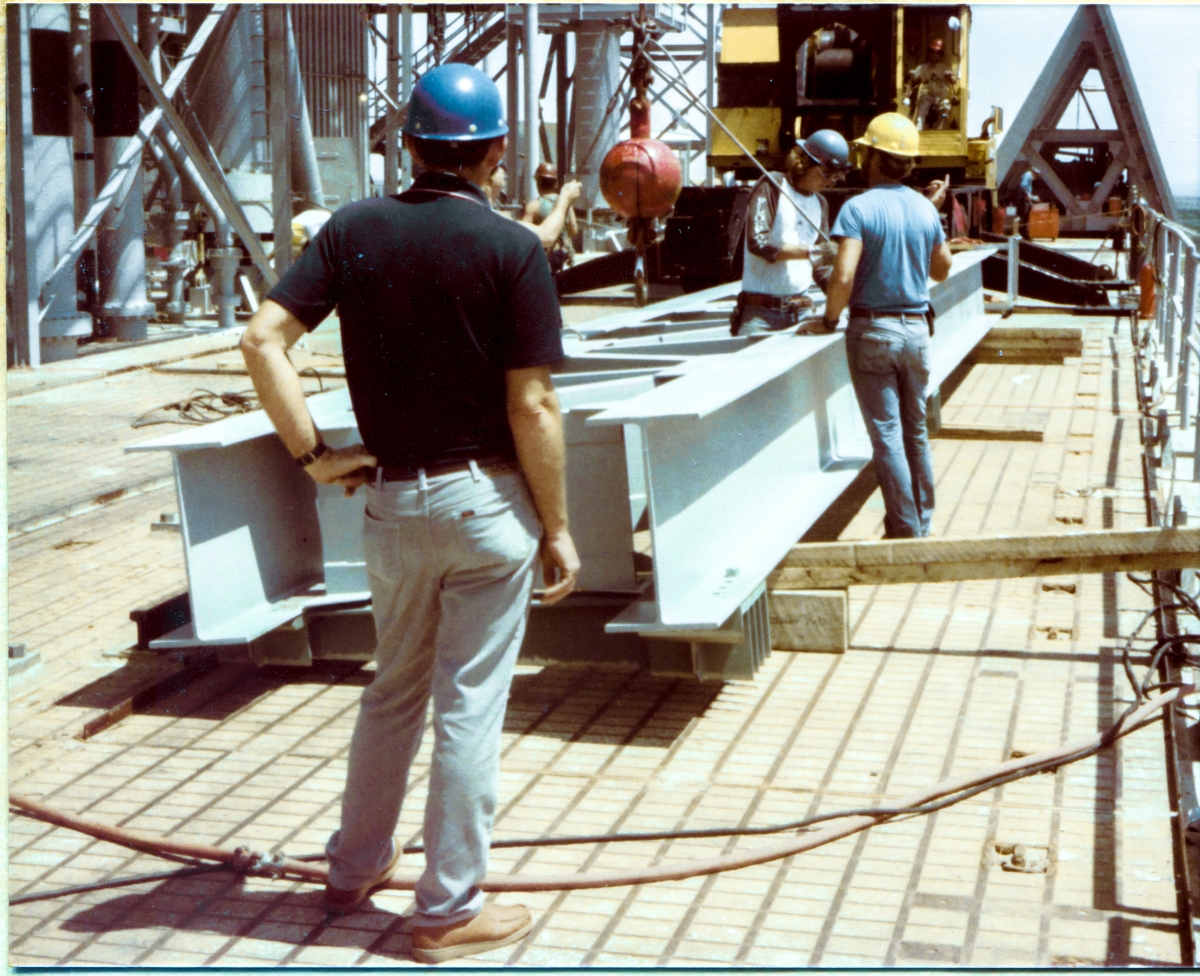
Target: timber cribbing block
pixel 808 620
pixel 1028 345
pixel 988 432
pixel 833 565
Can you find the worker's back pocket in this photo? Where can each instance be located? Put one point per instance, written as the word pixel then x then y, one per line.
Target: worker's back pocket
pixel 875 353
pixel 495 522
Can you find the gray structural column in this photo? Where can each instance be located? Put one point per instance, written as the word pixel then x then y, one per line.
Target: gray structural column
pixel 562 86
pixel 406 83
pixel 255 30
pixel 597 75
pixel 512 106
pixel 121 238
pixel 528 185
pixel 280 131
pixel 393 91
pixel 710 82
pixel 81 131
pixel 22 277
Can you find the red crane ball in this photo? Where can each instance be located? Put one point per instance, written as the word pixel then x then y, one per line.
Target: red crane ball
pixel 641 178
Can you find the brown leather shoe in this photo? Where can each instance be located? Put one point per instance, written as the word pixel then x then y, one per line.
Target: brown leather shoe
pixel 493 928
pixel 342 901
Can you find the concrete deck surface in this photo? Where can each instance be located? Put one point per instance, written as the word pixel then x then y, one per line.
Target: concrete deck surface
pixel 940 679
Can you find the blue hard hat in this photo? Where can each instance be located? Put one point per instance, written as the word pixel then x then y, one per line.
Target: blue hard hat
pixel 827 147
pixel 455 102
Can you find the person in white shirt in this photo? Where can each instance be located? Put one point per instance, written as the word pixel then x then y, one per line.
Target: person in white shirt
pixel 781 235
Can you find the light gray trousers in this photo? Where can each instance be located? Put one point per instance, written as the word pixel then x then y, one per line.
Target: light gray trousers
pixel 451 570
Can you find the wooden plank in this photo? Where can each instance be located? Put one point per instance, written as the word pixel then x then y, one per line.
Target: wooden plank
pixel 988 432
pixel 835 565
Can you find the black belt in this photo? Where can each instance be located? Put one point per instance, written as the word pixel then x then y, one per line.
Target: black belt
pixel 392 472
pixel 778 302
pixel 859 312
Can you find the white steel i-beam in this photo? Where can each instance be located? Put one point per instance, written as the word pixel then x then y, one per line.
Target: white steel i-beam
pixel 729 462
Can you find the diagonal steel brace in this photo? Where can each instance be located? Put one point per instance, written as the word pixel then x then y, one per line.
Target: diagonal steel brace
pixel 220 17
pixel 219 188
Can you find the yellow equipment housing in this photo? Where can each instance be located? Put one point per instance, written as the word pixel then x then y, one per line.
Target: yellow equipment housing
pixel 786 71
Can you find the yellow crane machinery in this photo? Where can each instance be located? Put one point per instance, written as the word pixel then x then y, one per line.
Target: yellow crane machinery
pixel 788 70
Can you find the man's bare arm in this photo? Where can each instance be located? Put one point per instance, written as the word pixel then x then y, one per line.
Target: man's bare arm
pixel 940 262
pixel 530 213
pixel 271 332
pixel 536 423
pixel 841 284
pixel 548 230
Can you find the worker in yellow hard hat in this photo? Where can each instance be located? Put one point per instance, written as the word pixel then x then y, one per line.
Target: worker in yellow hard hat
pixel 890 242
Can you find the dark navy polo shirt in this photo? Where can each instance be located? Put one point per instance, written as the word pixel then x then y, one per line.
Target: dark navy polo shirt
pixel 437 296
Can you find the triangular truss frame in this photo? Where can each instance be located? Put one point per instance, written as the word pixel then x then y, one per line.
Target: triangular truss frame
pixel 1091 41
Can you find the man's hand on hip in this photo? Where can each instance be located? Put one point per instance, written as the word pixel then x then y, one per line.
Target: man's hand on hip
pixel 346 466
pixel 560 566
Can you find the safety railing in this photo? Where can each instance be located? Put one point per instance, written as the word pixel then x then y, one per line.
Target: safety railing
pixel 1168 338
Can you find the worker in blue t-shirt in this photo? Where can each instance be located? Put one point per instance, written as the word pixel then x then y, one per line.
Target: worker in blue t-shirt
pixel 1025 199
pixel 890 241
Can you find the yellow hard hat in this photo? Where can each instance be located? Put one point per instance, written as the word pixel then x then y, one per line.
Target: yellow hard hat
pixel 891 133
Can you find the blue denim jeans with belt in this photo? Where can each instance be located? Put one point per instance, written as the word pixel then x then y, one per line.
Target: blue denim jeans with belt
pixel 889 366
pixel 451 565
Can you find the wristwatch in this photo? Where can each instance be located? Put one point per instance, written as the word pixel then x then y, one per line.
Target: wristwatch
pixel 830 326
pixel 304 460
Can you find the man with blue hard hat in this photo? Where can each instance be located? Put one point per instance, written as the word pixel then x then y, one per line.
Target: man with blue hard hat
pixel 781 235
pixel 890 242
pixel 450 324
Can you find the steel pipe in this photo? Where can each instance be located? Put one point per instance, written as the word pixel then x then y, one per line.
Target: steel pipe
pixel 528 182
pixel 390 175
pixel 406 83
pixel 281 133
pixel 513 107
pixel 305 172
pixel 123 307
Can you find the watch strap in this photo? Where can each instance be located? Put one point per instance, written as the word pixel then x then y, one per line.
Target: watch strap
pixel 304 460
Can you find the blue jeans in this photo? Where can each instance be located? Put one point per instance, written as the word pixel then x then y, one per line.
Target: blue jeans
pixel 451 568
pixel 889 366
pixel 760 321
